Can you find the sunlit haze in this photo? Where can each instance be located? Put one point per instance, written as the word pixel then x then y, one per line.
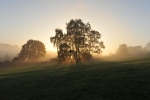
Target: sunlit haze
pixel 118 21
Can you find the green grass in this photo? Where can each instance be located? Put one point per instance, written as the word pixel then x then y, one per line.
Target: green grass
pixel 104 80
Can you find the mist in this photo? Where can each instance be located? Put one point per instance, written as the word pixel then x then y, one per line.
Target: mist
pixel 124 52
pixel 49 56
pixel 8 50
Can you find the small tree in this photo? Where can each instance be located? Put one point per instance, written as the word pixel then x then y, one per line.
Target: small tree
pixel 32 50
pixel 80 42
pixel 122 50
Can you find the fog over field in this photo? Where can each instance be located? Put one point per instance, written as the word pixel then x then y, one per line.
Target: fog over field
pixel 11 51
pixel 8 49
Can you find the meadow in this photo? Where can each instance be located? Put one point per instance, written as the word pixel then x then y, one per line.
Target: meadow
pixel 125 79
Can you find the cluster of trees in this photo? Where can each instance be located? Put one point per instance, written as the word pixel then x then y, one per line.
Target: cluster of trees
pixel 124 50
pixel 79 43
pixel 31 51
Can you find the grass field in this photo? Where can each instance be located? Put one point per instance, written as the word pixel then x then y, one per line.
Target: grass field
pixel 127 79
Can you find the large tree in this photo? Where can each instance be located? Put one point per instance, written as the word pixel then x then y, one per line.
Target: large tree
pixel 32 50
pixel 79 43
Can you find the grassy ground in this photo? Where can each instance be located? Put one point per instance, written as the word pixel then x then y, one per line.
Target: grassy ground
pixel 127 79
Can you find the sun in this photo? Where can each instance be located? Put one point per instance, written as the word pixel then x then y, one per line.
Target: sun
pixel 50 48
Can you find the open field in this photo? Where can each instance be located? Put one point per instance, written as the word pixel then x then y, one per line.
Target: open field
pixel 127 79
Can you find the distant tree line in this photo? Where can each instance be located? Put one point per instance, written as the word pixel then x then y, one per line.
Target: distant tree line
pixel 124 50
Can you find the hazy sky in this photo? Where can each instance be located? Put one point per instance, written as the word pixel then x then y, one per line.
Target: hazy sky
pixel 119 21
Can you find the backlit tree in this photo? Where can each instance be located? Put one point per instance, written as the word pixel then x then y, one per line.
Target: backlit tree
pixel 32 50
pixel 79 43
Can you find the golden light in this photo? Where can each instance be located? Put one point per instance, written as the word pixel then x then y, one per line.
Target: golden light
pixel 50 47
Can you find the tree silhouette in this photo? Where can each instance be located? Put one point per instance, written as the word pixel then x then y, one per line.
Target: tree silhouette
pixel 32 50
pixel 79 43
pixel 122 50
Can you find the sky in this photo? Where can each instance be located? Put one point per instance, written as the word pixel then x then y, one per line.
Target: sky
pixel 118 21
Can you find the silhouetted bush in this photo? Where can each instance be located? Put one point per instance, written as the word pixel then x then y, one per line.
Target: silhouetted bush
pixel 16 59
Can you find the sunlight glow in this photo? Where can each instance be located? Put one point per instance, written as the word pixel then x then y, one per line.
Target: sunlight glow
pixel 50 47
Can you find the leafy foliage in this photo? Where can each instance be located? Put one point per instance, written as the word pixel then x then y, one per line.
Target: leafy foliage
pixel 32 50
pixel 79 43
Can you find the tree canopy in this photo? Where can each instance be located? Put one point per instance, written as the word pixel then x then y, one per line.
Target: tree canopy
pixel 32 50
pixel 122 50
pixel 79 43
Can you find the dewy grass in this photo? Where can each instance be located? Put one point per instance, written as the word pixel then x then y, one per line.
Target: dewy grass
pixel 105 80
